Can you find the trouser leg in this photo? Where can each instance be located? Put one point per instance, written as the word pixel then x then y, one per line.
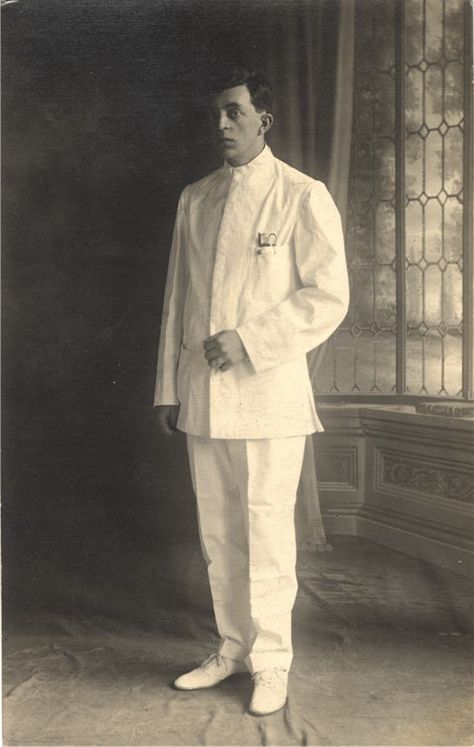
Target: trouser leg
pixel 268 473
pixel 223 538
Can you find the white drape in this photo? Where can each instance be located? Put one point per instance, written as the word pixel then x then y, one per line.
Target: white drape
pixel 296 139
pixel 306 48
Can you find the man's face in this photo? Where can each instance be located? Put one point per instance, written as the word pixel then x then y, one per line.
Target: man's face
pixel 238 124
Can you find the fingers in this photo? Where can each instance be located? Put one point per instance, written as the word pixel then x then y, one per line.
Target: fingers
pixel 166 419
pixel 219 363
pixel 164 426
pixel 213 354
pixel 173 418
pixel 212 342
pixel 216 358
pixel 216 354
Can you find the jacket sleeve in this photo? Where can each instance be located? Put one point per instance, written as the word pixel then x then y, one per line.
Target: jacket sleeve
pixel 309 315
pixel 172 318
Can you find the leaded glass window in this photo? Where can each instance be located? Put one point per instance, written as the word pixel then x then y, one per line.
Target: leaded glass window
pixel 408 330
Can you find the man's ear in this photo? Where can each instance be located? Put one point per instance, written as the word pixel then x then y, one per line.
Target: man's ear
pixel 266 122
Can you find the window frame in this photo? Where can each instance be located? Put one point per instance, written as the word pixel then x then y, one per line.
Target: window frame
pixel 400 395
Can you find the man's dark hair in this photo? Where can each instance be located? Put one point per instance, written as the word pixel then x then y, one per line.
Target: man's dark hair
pixel 259 87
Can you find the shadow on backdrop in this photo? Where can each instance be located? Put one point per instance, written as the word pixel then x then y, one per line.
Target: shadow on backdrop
pixel 103 126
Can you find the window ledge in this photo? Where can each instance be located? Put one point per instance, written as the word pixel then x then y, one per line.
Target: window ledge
pixel 460 410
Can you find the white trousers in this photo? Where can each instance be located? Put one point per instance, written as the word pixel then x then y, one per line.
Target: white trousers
pixel 246 493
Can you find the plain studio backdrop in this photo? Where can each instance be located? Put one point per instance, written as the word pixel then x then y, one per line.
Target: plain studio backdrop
pixel 104 124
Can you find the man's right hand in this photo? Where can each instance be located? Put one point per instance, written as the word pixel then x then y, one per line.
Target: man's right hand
pixel 167 416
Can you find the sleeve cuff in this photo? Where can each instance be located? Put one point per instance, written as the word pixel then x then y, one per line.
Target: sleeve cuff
pixel 165 392
pixel 264 343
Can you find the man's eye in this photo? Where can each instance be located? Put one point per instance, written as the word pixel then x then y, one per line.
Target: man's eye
pixel 233 114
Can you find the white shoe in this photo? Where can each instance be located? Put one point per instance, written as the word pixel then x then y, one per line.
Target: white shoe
pixel 215 669
pixel 270 691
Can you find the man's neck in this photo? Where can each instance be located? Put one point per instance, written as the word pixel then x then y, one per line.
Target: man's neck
pixel 246 160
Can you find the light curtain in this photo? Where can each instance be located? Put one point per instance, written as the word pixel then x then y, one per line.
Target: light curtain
pixel 306 48
pixel 310 62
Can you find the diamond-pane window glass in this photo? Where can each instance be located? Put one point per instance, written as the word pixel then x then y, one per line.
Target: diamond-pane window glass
pixel 404 330
pixel 432 291
pixel 367 364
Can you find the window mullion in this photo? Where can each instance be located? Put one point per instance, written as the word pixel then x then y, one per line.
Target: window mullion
pixel 468 278
pixel 400 78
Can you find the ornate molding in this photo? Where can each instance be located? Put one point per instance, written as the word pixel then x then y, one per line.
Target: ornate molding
pixel 420 429
pixel 424 476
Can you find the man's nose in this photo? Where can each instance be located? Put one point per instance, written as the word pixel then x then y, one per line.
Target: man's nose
pixel 223 121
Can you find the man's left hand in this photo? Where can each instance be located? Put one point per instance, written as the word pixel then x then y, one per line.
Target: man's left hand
pixel 224 349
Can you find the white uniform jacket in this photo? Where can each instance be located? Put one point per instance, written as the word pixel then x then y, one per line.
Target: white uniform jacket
pixel 283 300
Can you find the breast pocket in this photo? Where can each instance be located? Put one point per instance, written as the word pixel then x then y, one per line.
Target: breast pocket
pixel 272 272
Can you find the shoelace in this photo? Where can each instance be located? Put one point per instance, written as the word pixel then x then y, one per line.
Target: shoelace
pixel 217 658
pixel 269 677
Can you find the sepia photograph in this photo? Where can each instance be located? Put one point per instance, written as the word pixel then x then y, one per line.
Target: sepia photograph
pixel 238 373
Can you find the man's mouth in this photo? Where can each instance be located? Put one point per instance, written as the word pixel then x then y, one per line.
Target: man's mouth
pixel 226 141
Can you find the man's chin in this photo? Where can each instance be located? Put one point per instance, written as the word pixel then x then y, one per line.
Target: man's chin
pixel 234 157
pixel 229 149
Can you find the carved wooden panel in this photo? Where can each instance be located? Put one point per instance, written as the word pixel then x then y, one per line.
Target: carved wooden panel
pixel 424 475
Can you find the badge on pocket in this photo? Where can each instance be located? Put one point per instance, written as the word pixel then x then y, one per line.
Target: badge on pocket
pixel 267 243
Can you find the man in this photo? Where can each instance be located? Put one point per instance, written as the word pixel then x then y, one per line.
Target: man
pixel 257 278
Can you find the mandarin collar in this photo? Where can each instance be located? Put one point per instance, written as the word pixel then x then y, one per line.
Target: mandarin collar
pixel 260 165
